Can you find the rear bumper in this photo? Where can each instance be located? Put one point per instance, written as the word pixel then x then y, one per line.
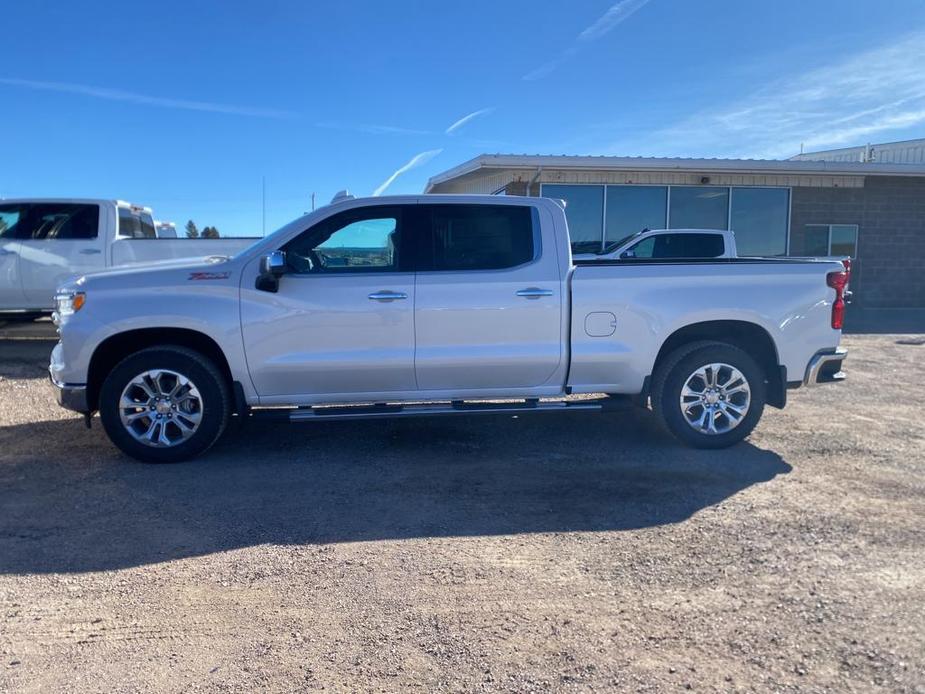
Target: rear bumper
pixel 825 367
pixel 70 397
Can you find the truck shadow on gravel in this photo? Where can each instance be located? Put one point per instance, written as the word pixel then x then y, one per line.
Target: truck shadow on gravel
pixel 71 503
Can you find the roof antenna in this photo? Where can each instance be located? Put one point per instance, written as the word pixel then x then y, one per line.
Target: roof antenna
pixel 342 195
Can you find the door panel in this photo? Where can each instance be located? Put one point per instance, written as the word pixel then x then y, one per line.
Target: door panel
pixel 473 331
pixel 488 306
pixel 324 335
pixel 342 321
pixel 62 241
pixel 11 294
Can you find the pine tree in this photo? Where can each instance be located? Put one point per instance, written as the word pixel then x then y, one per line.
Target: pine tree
pixel 191 231
pixel 210 233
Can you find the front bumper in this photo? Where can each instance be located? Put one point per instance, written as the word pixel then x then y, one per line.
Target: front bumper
pixel 825 367
pixel 71 397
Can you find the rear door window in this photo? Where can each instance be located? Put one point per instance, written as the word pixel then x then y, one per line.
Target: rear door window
pixel 476 237
pixel 136 224
pixel 664 246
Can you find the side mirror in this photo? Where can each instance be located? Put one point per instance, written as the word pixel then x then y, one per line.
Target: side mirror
pixel 272 267
pixel 628 254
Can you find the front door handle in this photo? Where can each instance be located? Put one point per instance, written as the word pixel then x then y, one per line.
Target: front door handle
pixel 90 251
pixel 534 292
pixel 387 296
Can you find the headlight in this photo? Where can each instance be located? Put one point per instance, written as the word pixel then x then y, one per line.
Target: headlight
pixel 67 303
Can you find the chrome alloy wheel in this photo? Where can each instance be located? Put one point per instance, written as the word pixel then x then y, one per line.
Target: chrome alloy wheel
pixel 160 408
pixel 715 399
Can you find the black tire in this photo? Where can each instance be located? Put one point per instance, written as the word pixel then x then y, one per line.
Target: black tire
pixel 674 371
pixel 211 384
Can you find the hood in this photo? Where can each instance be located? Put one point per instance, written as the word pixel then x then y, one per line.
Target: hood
pixel 215 269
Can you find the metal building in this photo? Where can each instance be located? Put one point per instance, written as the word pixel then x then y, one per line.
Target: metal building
pixel 904 152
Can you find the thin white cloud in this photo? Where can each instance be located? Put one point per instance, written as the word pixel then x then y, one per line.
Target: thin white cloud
pixel 616 14
pixel 415 161
pixel 372 128
pixel 465 119
pixel 843 103
pixel 144 99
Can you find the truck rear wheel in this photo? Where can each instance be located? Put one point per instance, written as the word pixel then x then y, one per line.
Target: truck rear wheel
pixel 709 394
pixel 165 404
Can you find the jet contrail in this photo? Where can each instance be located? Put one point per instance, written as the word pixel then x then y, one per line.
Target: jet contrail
pixel 465 119
pixel 143 99
pixel 414 162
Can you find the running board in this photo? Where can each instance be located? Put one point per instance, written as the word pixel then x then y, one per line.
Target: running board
pixel 331 412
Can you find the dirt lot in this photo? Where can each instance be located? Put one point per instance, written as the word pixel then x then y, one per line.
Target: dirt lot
pixel 561 552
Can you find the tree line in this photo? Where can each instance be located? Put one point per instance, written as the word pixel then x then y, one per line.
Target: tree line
pixel 192 231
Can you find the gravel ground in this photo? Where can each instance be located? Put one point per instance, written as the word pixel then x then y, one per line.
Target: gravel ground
pixel 562 552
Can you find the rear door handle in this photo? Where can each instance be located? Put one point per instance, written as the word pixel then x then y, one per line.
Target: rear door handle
pixel 387 296
pixel 90 251
pixel 534 292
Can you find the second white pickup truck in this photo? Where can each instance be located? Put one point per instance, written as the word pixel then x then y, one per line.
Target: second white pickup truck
pixel 399 306
pixel 44 242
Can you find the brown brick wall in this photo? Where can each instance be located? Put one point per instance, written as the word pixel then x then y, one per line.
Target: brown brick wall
pixel 890 214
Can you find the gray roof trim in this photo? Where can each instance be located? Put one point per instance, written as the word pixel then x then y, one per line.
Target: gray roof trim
pixel 740 166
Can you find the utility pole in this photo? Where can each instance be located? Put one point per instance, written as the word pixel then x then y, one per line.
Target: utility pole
pixel 313 202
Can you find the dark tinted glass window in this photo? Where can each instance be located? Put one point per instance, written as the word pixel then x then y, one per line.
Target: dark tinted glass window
pixel 699 207
pixel 759 220
pixel 584 211
pixel 679 246
pixel 49 221
pixel 478 237
pixel 631 209
pixel 136 225
pixel 366 239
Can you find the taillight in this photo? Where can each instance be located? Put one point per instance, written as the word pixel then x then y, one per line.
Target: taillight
pixel 838 281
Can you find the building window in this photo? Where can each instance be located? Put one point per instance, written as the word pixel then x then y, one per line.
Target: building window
pixel 584 210
pixel 759 216
pixel 759 220
pixel 630 209
pixel 825 240
pixel 698 207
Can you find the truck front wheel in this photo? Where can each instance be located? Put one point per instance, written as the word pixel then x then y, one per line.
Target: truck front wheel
pixel 709 394
pixel 165 404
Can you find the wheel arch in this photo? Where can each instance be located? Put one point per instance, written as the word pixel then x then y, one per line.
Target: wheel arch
pixel 747 336
pixel 116 347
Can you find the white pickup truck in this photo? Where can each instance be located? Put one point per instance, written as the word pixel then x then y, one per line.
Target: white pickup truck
pixel 665 244
pixel 44 242
pixel 399 306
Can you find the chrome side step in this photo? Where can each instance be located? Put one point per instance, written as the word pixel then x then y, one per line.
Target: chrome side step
pixel 335 412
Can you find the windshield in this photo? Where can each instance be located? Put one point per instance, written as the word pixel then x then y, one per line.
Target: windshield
pixel 613 245
pixel 300 223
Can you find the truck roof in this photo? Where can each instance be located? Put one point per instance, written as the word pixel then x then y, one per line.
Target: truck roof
pixel 78 201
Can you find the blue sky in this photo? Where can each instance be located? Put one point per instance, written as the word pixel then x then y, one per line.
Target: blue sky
pixel 187 106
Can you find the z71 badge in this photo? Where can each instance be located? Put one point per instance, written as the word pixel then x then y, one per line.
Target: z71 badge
pixel 209 275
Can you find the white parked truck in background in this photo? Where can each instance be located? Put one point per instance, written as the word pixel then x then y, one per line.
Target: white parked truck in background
pixel 165 230
pixel 44 242
pixel 438 304
pixel 663 244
